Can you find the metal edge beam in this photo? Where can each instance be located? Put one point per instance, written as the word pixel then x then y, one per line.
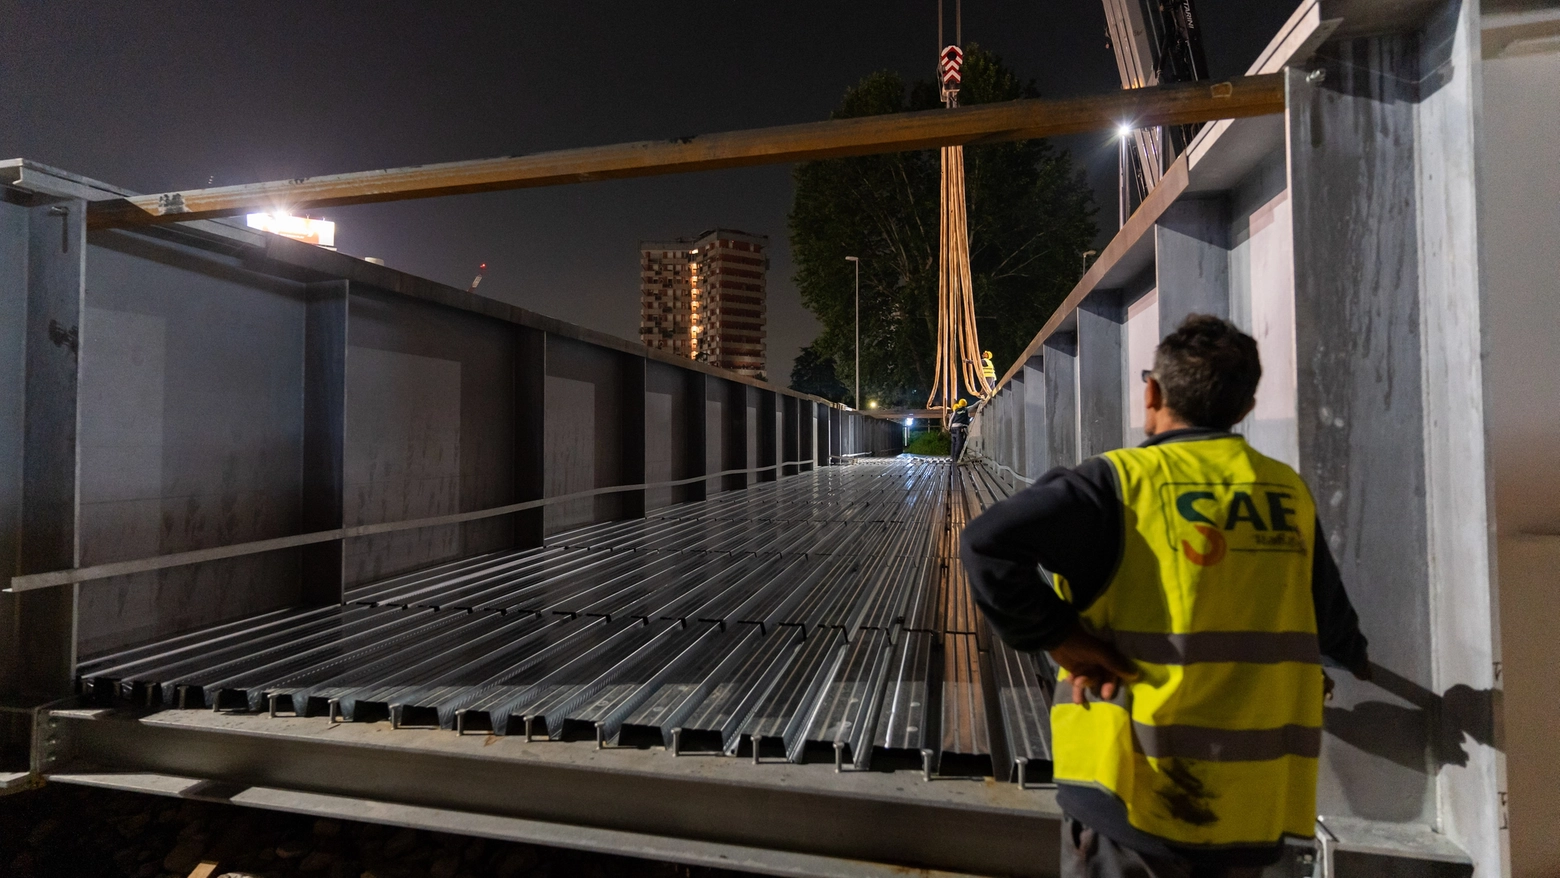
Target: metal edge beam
pixel 691 803
pixel 514 829
pixel 1139 225
pixel 71 575
pixel 1177 104
pixel 1294 42
pixel 306 263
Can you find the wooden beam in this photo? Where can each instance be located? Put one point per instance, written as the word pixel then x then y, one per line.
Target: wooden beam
pixel 1178 104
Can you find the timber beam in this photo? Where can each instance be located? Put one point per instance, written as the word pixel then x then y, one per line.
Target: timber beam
pixel 1177 104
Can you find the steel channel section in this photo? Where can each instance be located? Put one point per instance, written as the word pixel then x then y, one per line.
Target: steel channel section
pixel 902 726
pixel 364 645
pixel 1025 704
pixel 734 690
pixel 662 716
pixel 335 689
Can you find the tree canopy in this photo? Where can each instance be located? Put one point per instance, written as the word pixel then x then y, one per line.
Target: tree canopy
pixel 1031 215
pixel 813 373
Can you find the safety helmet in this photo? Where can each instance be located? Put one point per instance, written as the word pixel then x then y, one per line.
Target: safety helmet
pixel 960 404
pixel 986 354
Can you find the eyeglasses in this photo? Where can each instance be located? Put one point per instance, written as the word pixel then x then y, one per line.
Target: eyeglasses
pixel 1147 374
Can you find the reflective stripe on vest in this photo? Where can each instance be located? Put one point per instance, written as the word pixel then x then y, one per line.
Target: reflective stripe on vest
pixel 1216 742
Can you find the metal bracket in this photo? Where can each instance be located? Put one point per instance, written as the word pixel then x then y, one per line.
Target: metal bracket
pixel 50 745
pixel 1325 842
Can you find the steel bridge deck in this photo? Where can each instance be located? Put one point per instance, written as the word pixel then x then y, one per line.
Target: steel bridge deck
pixel 820 618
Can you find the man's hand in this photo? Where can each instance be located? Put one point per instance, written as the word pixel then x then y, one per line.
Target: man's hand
pixel 1361 671
pixel 1095 666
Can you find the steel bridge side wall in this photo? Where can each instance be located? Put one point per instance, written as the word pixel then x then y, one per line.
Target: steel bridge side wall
pixel 1351 253
pixel 42 279
pixel 237 387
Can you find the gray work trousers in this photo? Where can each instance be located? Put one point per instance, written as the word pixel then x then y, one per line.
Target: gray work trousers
pixel 1087 854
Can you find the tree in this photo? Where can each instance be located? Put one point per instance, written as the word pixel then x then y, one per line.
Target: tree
pixel 1030 216
pixel 814 373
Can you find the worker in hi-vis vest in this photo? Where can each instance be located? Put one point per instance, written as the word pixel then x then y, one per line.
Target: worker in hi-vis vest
pixel 1192 598
pixel 988 368
pixel 958 428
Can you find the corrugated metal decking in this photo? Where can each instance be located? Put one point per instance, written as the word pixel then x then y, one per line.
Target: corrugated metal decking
pixel 825 613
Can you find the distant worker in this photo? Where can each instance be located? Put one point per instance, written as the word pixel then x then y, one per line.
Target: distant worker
pixel 959 427
pixel 987 369
pixel 1194 597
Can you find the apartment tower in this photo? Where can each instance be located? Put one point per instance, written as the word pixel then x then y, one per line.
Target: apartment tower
pixel 703 298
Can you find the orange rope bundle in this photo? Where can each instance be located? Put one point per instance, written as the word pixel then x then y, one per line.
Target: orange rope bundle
pixel 958 343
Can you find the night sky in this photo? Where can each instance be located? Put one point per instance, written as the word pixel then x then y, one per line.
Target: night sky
pixel 162 95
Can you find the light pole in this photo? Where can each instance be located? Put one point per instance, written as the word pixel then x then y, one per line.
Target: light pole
pixel 857 261
pixel 1123 196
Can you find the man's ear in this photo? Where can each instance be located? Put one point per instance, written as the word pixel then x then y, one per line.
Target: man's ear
pixel 1153 394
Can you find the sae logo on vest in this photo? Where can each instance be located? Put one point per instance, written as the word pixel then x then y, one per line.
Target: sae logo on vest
pixel 1206 522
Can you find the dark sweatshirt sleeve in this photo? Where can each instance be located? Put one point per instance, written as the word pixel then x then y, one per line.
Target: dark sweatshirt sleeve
pixel 1337 625
pixel 1069 522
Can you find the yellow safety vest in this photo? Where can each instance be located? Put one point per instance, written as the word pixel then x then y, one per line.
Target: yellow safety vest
pixel 1216 742
pixel 988 370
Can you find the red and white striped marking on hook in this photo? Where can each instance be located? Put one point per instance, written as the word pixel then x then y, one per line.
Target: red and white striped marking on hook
pixel 949 62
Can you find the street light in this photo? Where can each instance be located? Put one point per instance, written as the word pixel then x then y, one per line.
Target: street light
pixel 1123 196
pixel 857 260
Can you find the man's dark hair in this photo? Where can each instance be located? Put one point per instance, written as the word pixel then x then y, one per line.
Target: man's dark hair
pixel 1208 371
